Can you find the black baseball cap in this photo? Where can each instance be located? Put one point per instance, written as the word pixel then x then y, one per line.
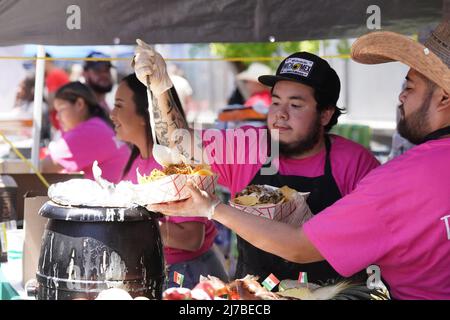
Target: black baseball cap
pixel 308 69
pixel 92 64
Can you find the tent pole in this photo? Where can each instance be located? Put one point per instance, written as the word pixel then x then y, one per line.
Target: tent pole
pixel 37 105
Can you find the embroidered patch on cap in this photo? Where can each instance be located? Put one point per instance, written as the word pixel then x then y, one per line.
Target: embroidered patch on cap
pixel 297 66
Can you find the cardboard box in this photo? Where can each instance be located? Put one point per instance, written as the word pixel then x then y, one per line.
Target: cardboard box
pixel 34 226
pixel 31 195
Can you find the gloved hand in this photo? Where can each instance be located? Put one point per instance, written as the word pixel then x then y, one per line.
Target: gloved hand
pixel 200 204
pixel 148 62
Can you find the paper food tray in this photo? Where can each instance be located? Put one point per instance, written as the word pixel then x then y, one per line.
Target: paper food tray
pixel 294 212
pixel 172 188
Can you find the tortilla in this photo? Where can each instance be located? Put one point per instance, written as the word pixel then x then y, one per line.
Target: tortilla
pixel 246 200
pixel 287 192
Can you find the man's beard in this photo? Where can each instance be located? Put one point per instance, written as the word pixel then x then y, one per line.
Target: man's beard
pixel 98 88
pixel 301 146
pixel 416 126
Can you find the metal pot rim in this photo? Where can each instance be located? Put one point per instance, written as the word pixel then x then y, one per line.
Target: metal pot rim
pixel 56 211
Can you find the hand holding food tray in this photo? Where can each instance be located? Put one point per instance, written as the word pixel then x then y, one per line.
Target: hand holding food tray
pixel 281 204
pixel 169 184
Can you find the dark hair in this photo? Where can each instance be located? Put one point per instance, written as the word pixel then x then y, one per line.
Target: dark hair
pixel 28 86
pixel 323 103
pixel 74 90
pixel 141 101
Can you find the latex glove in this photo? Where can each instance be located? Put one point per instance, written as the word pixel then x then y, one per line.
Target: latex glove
pixel 200 204
pixel 148 62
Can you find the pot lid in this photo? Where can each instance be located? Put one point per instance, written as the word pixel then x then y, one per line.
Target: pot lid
pixel 57 211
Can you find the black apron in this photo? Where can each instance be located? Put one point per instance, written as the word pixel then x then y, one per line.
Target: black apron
pixel 323 193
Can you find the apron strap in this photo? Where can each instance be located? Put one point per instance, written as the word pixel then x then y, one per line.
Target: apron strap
pixel 327 170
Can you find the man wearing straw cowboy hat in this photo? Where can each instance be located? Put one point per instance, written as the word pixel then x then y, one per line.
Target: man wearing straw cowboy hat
pixel 398 217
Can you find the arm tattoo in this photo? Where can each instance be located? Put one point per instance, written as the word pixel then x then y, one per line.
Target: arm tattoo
pixel 161 127
pixel 168 117
pixel 174 110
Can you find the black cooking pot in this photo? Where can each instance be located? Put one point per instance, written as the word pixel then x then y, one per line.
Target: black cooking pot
pixel 89 249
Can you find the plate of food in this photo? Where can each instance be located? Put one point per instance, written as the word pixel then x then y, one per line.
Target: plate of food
pixel 281 204
pixel 169 184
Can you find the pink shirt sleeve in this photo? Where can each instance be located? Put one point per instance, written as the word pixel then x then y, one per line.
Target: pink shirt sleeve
pixel 352 233
pixel 234 155
pixel 60 153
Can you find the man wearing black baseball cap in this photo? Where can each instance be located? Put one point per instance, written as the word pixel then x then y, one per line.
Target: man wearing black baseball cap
pixel 305 91
pixel 309 77
pixel 97 75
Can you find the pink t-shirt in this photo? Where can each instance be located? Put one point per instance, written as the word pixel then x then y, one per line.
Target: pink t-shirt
pixel 174 255
pixel 91 140
pixel 398 218
pixel 349 160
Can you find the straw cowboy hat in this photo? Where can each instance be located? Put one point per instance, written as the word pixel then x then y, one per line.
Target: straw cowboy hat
pixel 431 59
pixel 253 72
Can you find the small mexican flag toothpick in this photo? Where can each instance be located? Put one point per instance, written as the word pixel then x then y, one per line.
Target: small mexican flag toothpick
pixel 178 278
pixel 303 277
pixel 270 282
